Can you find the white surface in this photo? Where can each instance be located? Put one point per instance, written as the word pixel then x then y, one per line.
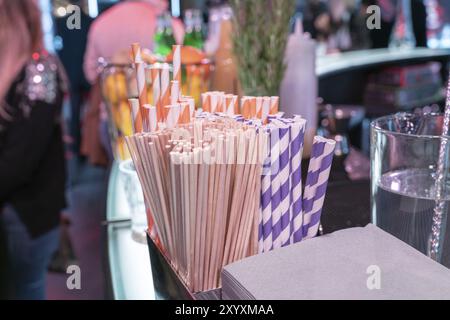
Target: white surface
pixel 130 266
pixel 117 206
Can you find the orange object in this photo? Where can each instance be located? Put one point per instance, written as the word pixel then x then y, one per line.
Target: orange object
pixel 189 55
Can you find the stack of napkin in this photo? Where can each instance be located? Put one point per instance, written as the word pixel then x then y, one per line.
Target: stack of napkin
pixel 356 263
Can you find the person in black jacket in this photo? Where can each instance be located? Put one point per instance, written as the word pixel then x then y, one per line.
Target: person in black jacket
pixel 32 165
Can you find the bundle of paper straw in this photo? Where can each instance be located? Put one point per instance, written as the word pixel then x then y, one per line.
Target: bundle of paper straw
pixel 201 182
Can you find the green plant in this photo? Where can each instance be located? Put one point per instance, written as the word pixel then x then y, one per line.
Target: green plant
pixel 260 32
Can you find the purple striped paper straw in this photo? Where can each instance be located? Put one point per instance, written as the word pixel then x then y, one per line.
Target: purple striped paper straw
pixel 316 184
pixel 266 211
pixel 284 175
pixel 265 225
pixel 275 185
pixel 297 141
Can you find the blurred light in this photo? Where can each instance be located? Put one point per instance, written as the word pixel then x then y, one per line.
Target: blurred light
pixel 37 79
pixel 47 24
pixel 58 43
pixel 175 5
pixel 445 37
pixel 433 43
pixel 93 8
pixel 61 11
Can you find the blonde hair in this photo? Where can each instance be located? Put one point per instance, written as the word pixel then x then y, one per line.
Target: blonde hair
pixel 20 36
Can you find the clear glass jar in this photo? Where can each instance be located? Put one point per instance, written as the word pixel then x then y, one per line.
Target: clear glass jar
pixel 118 83
pixel 135 198
pixel 404 155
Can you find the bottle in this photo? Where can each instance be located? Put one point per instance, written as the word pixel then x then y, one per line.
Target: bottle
pixel 168 34
pixel 189 39
pixel 164 38
pixel 198 28
pixel 194 32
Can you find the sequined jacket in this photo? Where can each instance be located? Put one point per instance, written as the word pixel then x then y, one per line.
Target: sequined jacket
pixel 32 165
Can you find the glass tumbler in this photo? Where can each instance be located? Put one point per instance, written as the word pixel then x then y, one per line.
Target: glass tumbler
pixel 404 155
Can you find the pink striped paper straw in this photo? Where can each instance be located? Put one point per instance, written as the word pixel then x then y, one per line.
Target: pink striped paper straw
pixel 246 107
pixel 274 101
pixel 316 184
pixel 229 107
pixel 265 109
pixel 177 66
pixel 206 102
pixel 185 115
pixel 173 115
pixel 140 79
pixel 191 102
pixel 174 91
pixel 136 115
pixel 156 88
pixel 165 84
pixel 220 102
pixel 259 107
pixel 152 117
pixel 214 100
